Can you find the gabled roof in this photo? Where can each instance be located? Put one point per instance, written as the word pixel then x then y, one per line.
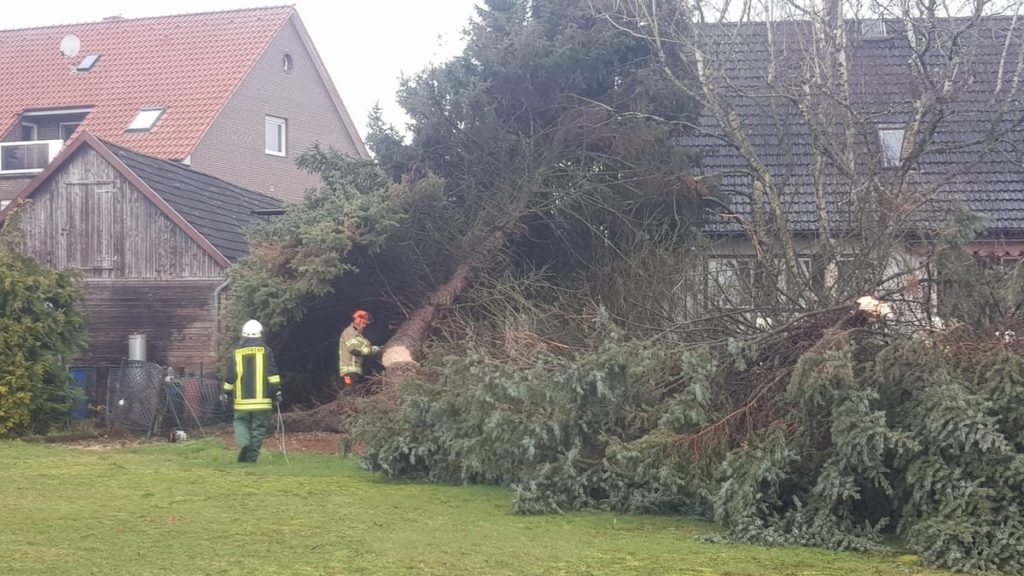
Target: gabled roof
pixel 216 208
pixel 988 180
pixel 211 211
pixel 189 64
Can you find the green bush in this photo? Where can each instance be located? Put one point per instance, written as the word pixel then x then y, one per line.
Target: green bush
pixel 39 328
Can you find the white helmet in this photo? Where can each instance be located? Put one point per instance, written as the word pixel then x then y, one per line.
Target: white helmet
pixel 252 329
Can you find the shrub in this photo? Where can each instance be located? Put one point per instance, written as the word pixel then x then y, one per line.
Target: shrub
pixel 39 328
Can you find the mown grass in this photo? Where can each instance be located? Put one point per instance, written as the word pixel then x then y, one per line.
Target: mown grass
pixel 187 509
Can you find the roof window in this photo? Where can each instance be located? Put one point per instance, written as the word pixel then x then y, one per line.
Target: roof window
pixel 145 119
pixel 873 28
pixel 87 63
pixel 892 143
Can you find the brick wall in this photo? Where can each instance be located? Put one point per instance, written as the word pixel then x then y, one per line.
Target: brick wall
pixel 11 186
pixel 234 147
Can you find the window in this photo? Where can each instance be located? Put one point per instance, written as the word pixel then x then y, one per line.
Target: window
pixel 87 63
pixel 793 290
pixel 891 140
pixel 276 136
pixel 730 282
pixel 67 129
pixel 145 119
pixel 873 28
pixel 4 203
pixel 29 132
pixel 287 63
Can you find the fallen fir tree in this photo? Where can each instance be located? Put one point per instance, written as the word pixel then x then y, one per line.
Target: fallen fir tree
pixel 828 434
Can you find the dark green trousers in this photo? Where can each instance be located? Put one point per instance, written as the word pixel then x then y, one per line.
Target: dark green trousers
pixel 250 430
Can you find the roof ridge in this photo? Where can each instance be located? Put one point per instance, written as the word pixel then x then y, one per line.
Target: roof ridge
pixel 180 166
pixel 790 21
pixel 140 18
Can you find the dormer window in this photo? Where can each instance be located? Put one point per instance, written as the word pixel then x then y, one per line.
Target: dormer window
pixel 145 119
pixel 891 141
pixel 66 129
pixel 29 131
pixel 873 28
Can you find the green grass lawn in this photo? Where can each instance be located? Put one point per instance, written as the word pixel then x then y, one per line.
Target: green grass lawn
pixel 188 509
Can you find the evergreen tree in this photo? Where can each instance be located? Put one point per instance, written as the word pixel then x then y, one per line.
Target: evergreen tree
pixel 40 328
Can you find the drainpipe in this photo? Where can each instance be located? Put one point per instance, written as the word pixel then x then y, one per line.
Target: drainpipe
pixel 216 310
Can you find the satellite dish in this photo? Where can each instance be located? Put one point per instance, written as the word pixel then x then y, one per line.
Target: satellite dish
pixel 70 45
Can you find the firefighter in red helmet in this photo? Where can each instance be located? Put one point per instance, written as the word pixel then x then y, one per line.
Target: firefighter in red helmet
pixel 353 347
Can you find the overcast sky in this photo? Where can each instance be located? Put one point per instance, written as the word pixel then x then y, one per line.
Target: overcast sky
pixel 366 44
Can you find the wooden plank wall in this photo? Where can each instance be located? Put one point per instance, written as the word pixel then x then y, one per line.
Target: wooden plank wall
pixel 175 315
pixel 89 217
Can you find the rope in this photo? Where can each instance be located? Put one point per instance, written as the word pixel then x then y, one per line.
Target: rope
pixel 280 434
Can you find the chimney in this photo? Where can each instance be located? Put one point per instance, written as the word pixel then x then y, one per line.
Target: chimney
pixel 115 17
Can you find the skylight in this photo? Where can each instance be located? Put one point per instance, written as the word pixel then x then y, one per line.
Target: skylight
pixel 145 119
pixel 87 63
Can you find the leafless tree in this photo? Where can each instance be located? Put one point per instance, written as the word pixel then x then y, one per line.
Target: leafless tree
pixel 842 134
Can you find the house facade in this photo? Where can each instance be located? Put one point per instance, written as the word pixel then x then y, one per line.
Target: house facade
pixel 236 94
pixel 861 157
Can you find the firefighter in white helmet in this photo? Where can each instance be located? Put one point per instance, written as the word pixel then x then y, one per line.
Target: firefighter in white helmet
pixel 253 385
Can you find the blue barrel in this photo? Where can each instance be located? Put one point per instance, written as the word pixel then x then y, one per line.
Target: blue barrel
pixel 81 383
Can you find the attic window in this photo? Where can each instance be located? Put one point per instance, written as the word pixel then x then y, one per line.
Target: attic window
pixel 87 63
pixel 145 119
pixel 891 140
pixel 873 28
pixel 287 63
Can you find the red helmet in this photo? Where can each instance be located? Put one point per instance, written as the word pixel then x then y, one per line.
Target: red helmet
pixel 361 318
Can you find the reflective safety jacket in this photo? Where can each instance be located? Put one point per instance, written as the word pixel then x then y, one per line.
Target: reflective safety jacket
pixel 352 348
pixel 252 378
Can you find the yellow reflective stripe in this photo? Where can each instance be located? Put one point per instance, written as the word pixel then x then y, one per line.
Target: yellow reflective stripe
pixel 258 404
pixel 350 369
pixel 250 350
pixel 228 387
pixel 275 379
pixel 238 368
pixel 259 375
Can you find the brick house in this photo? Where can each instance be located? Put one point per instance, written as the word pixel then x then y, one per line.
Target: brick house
pixel 975 162
pixel 236 94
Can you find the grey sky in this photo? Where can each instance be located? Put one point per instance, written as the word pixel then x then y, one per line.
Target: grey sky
pixel 366 44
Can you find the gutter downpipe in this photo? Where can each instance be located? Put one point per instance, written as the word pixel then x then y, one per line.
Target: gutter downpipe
pixel 216 310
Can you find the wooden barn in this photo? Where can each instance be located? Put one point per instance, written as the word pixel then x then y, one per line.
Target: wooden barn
pixel 153 240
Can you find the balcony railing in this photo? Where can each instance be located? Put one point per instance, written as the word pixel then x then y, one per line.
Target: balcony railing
pixel 27 157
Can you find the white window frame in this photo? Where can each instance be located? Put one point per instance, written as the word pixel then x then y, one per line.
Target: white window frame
pixel 792 287
pixel 282 126
pixel 873 28
pixel 891 157
pixel 146 119
pixel 35 131
pixel 730 293
pixel 60 129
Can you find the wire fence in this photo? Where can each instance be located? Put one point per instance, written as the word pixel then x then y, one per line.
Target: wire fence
pixel 147 397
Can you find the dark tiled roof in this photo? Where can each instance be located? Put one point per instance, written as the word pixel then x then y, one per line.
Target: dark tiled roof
pixel 217 209
pixel 987 180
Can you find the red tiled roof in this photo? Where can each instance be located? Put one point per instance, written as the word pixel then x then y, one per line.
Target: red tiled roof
pixel 189 64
